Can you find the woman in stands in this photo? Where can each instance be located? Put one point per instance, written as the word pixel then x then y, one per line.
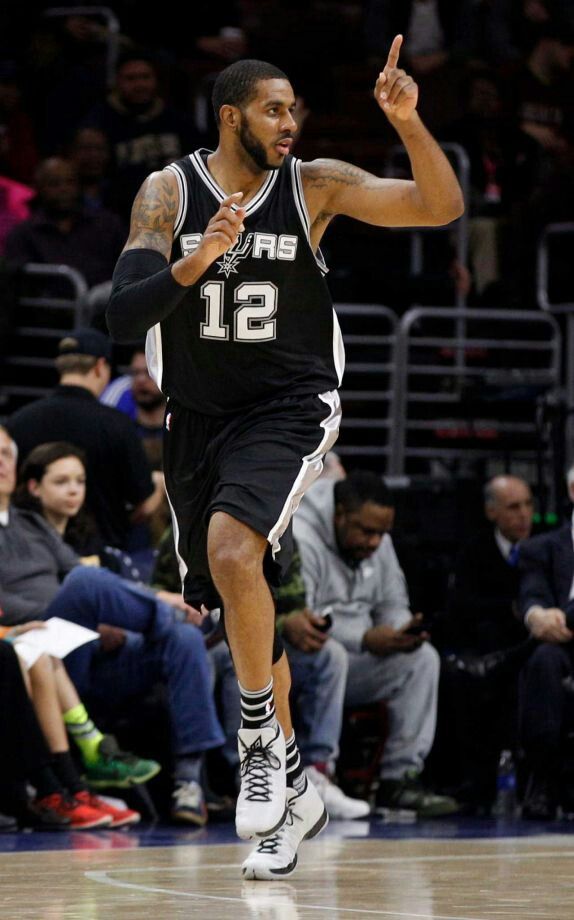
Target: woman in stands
pixel 52 484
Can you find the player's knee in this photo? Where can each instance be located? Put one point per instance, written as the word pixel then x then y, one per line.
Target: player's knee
pixel 233 561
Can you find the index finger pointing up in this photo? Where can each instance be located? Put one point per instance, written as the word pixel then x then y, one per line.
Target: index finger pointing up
pixel 393 57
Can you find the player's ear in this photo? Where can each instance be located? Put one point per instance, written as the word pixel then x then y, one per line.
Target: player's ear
pixel 229 115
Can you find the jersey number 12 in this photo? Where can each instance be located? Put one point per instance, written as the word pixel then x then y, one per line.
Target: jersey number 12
pixel 254 318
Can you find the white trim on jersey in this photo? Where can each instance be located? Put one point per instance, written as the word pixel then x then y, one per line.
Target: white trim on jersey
pixel 338 348
pixel 299 197
pixel 301 206
pixel 311 467
pixel 154 354
pixel 204 174
pixel 182 206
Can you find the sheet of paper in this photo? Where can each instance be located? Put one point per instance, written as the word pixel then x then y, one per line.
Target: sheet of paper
pixel 58 638
pixel 27 654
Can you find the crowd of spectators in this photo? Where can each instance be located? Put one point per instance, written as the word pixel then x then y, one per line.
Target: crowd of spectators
pixel 495 77
pixel 503 645
pixel 500 651
pixel 84 533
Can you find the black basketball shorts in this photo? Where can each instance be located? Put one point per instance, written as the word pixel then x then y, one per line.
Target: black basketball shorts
pixel 255 466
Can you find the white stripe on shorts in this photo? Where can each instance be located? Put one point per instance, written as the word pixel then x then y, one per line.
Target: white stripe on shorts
pixel 181 564
pixel 311 467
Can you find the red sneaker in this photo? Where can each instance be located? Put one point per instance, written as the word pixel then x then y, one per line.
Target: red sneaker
pixel 82 816
pixel 120 817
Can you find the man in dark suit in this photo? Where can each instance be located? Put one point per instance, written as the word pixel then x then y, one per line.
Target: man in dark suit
pixel 485 587
pixel 487 639
pixel 546 697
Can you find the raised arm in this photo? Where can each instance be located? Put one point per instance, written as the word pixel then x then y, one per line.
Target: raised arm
pixel 146 289
pixel 432 198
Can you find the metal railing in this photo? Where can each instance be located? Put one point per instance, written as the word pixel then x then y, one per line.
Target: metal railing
pixel 543 269
pixel 43 319
pixel 474 391
pixel 458 229
pixel 70 276
pixel 369 334
pixel 557 233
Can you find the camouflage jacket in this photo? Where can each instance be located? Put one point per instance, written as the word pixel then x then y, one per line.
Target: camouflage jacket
pixel 290 596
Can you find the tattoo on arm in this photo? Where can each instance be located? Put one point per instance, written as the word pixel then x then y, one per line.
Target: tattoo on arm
pixel 153 214
pixel 322 174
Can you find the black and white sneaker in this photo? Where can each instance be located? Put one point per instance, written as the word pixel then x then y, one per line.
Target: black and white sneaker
pixel 261 804
pixel 276 856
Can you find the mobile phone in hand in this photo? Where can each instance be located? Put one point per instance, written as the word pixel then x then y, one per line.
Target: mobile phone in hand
pixel 326 626
pixel 415 629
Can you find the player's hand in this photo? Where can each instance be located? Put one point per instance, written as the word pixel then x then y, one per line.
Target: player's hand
pixel 300 629
pixel 223 229
pixel 395 91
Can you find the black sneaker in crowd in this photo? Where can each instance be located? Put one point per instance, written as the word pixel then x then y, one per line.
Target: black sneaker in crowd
pixel 540 802
pixel 408 794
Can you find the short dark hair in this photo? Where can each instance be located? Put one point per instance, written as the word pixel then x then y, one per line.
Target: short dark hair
pixel 237 84
pixel 362 486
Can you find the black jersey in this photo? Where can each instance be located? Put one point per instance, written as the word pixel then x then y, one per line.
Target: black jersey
pixel 259 324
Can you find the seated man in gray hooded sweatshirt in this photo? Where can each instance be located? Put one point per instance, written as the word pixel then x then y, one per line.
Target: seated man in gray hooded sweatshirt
pixel 351 571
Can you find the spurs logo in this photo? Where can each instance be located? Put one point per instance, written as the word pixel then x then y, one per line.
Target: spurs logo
pixel 258 245
pixel 238 252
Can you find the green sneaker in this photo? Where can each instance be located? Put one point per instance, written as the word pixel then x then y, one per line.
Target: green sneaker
pixel 118 768
pixel 409 794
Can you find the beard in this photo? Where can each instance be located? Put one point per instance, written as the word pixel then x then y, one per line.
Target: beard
pixel 253 147
pixel 149 400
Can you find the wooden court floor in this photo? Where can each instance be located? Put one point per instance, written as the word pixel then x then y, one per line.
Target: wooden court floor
pixel 421 879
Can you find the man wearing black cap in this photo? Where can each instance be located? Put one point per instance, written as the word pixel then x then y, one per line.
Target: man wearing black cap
pixel 120 487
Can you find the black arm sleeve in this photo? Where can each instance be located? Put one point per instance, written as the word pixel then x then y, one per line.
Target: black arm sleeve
pixel 144 292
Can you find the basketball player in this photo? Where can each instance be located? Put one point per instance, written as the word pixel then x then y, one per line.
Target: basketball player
pixel 223 271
